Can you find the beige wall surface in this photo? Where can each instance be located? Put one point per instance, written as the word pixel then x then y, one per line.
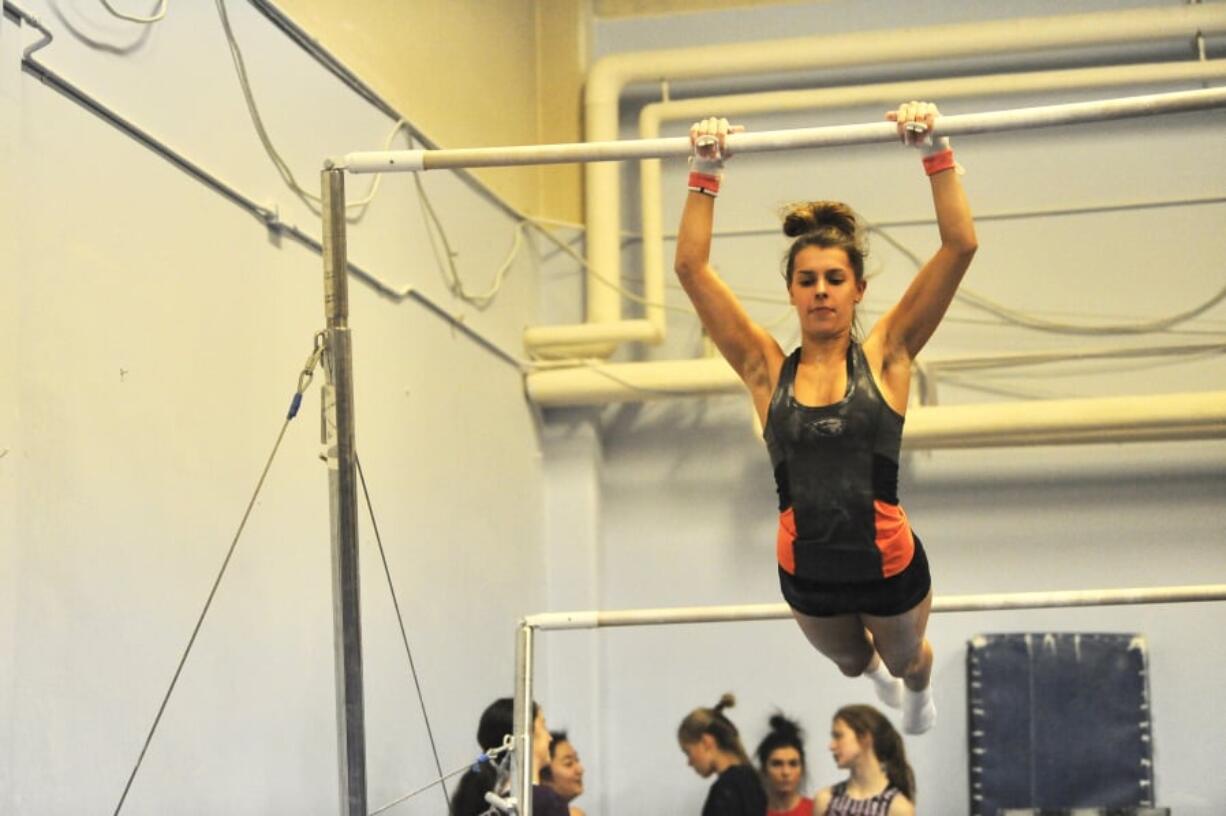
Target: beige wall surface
pixel 470 73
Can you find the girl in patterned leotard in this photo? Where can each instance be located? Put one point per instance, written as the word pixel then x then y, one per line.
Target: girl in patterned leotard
pixel 879 781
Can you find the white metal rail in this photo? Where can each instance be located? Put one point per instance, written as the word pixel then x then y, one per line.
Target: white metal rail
pixel 390 161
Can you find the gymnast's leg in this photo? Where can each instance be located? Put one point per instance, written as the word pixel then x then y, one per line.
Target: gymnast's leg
pixel 844 640
pixel 900 641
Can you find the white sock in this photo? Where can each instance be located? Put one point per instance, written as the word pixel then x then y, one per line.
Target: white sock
pixel 888 687
pixel 919 713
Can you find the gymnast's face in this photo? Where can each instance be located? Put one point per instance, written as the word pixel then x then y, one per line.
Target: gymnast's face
pixel 701 755
pixel 783 771
pixel 566 770
pixel 845 746
pixel 824 291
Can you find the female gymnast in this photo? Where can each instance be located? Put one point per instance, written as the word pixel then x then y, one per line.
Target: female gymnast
pixel 564 773
pixel 879 781
pixel 781 758
pixel 712 745
pixel 851 569
pixel 495 726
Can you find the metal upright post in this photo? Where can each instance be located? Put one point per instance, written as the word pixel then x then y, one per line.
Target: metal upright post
pixel 525 722
pixel 342 483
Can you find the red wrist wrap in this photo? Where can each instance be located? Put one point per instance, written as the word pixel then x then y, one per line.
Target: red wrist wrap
pixel 939 161
pixel 702 183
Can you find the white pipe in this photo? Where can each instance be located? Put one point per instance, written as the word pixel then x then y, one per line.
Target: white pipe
pixel 1072 113
pixel 595 619
pixel 610 75
pixel 1197 415
pixel 885 93
pixel 602 383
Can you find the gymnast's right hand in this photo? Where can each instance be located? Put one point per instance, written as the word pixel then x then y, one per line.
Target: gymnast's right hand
pixel 708 151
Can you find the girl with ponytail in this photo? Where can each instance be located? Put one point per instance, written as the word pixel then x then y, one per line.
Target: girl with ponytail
pixel 850 566
pixel 879 781
pixel 712 745
pixel 781 759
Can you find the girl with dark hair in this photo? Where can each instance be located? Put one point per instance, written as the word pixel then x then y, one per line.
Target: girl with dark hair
pixel 781 758
pixel 497 723
pixel 712 745
pixel 879 782
pixel 850 567
pixel 564 773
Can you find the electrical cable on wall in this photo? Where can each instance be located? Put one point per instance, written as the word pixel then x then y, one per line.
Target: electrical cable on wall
pixel 156 16
pixel 309 198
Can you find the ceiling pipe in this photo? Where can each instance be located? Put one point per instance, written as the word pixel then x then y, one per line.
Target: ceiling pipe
pixel 604 383
pixel 610 76
pixel 1164 417
pixel 655 273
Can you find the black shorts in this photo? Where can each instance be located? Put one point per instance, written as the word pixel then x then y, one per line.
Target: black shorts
pixel 884 597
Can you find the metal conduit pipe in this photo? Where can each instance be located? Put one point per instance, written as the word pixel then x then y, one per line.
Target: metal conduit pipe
pixel 1197 415
pixel 554 341
pixel 611 75
pixel 655 273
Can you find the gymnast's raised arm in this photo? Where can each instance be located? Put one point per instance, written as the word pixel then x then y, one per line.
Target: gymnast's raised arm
pixel 751 351
pixel 906 327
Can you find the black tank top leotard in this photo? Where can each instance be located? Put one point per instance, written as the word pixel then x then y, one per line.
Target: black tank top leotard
pixel 836 471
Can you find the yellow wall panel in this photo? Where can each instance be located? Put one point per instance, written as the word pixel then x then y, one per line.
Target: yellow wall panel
pixel 470 73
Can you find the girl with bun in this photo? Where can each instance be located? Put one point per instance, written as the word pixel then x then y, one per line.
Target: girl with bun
pixel 712 745
pixel 850 566
pixel 781 758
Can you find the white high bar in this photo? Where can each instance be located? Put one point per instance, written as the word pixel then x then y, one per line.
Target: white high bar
pixel 597 619
pixel 390 161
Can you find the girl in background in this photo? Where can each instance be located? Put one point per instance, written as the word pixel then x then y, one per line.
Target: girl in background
pixel 712 746
pixel 781 758
pixel 879 780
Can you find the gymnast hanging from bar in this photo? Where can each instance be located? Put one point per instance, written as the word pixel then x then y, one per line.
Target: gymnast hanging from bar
pixel 850 567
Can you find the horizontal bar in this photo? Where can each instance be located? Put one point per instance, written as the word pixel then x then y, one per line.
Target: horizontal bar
pixel 597 619
pixel 766 141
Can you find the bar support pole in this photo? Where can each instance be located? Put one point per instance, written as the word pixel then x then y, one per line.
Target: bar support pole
pixel 525 722
pixel 341 457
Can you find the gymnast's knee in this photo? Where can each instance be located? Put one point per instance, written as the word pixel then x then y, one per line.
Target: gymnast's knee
pixel 900 664
pixel 853 665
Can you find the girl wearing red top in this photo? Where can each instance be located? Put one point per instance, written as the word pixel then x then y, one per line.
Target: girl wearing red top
pixel 781 757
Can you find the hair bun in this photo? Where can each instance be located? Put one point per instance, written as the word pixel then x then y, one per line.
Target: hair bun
pixel 727 700
pixel 810 216
pixel 784 727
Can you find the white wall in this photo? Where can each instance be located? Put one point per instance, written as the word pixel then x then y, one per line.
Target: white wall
pixel 152 335
pixel 687 500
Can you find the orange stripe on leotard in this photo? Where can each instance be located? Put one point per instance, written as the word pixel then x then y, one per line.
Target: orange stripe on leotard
pixel 784 539
pixel 894 538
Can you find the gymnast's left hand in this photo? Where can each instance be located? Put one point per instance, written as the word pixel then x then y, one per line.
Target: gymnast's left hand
pixel 915 122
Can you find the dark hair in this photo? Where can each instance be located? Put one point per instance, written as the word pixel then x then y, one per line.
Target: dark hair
pixel 826 224
pixel 784 733
pixel 887 744
pixel 556 738
pixel 497 721
pixel 712 721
